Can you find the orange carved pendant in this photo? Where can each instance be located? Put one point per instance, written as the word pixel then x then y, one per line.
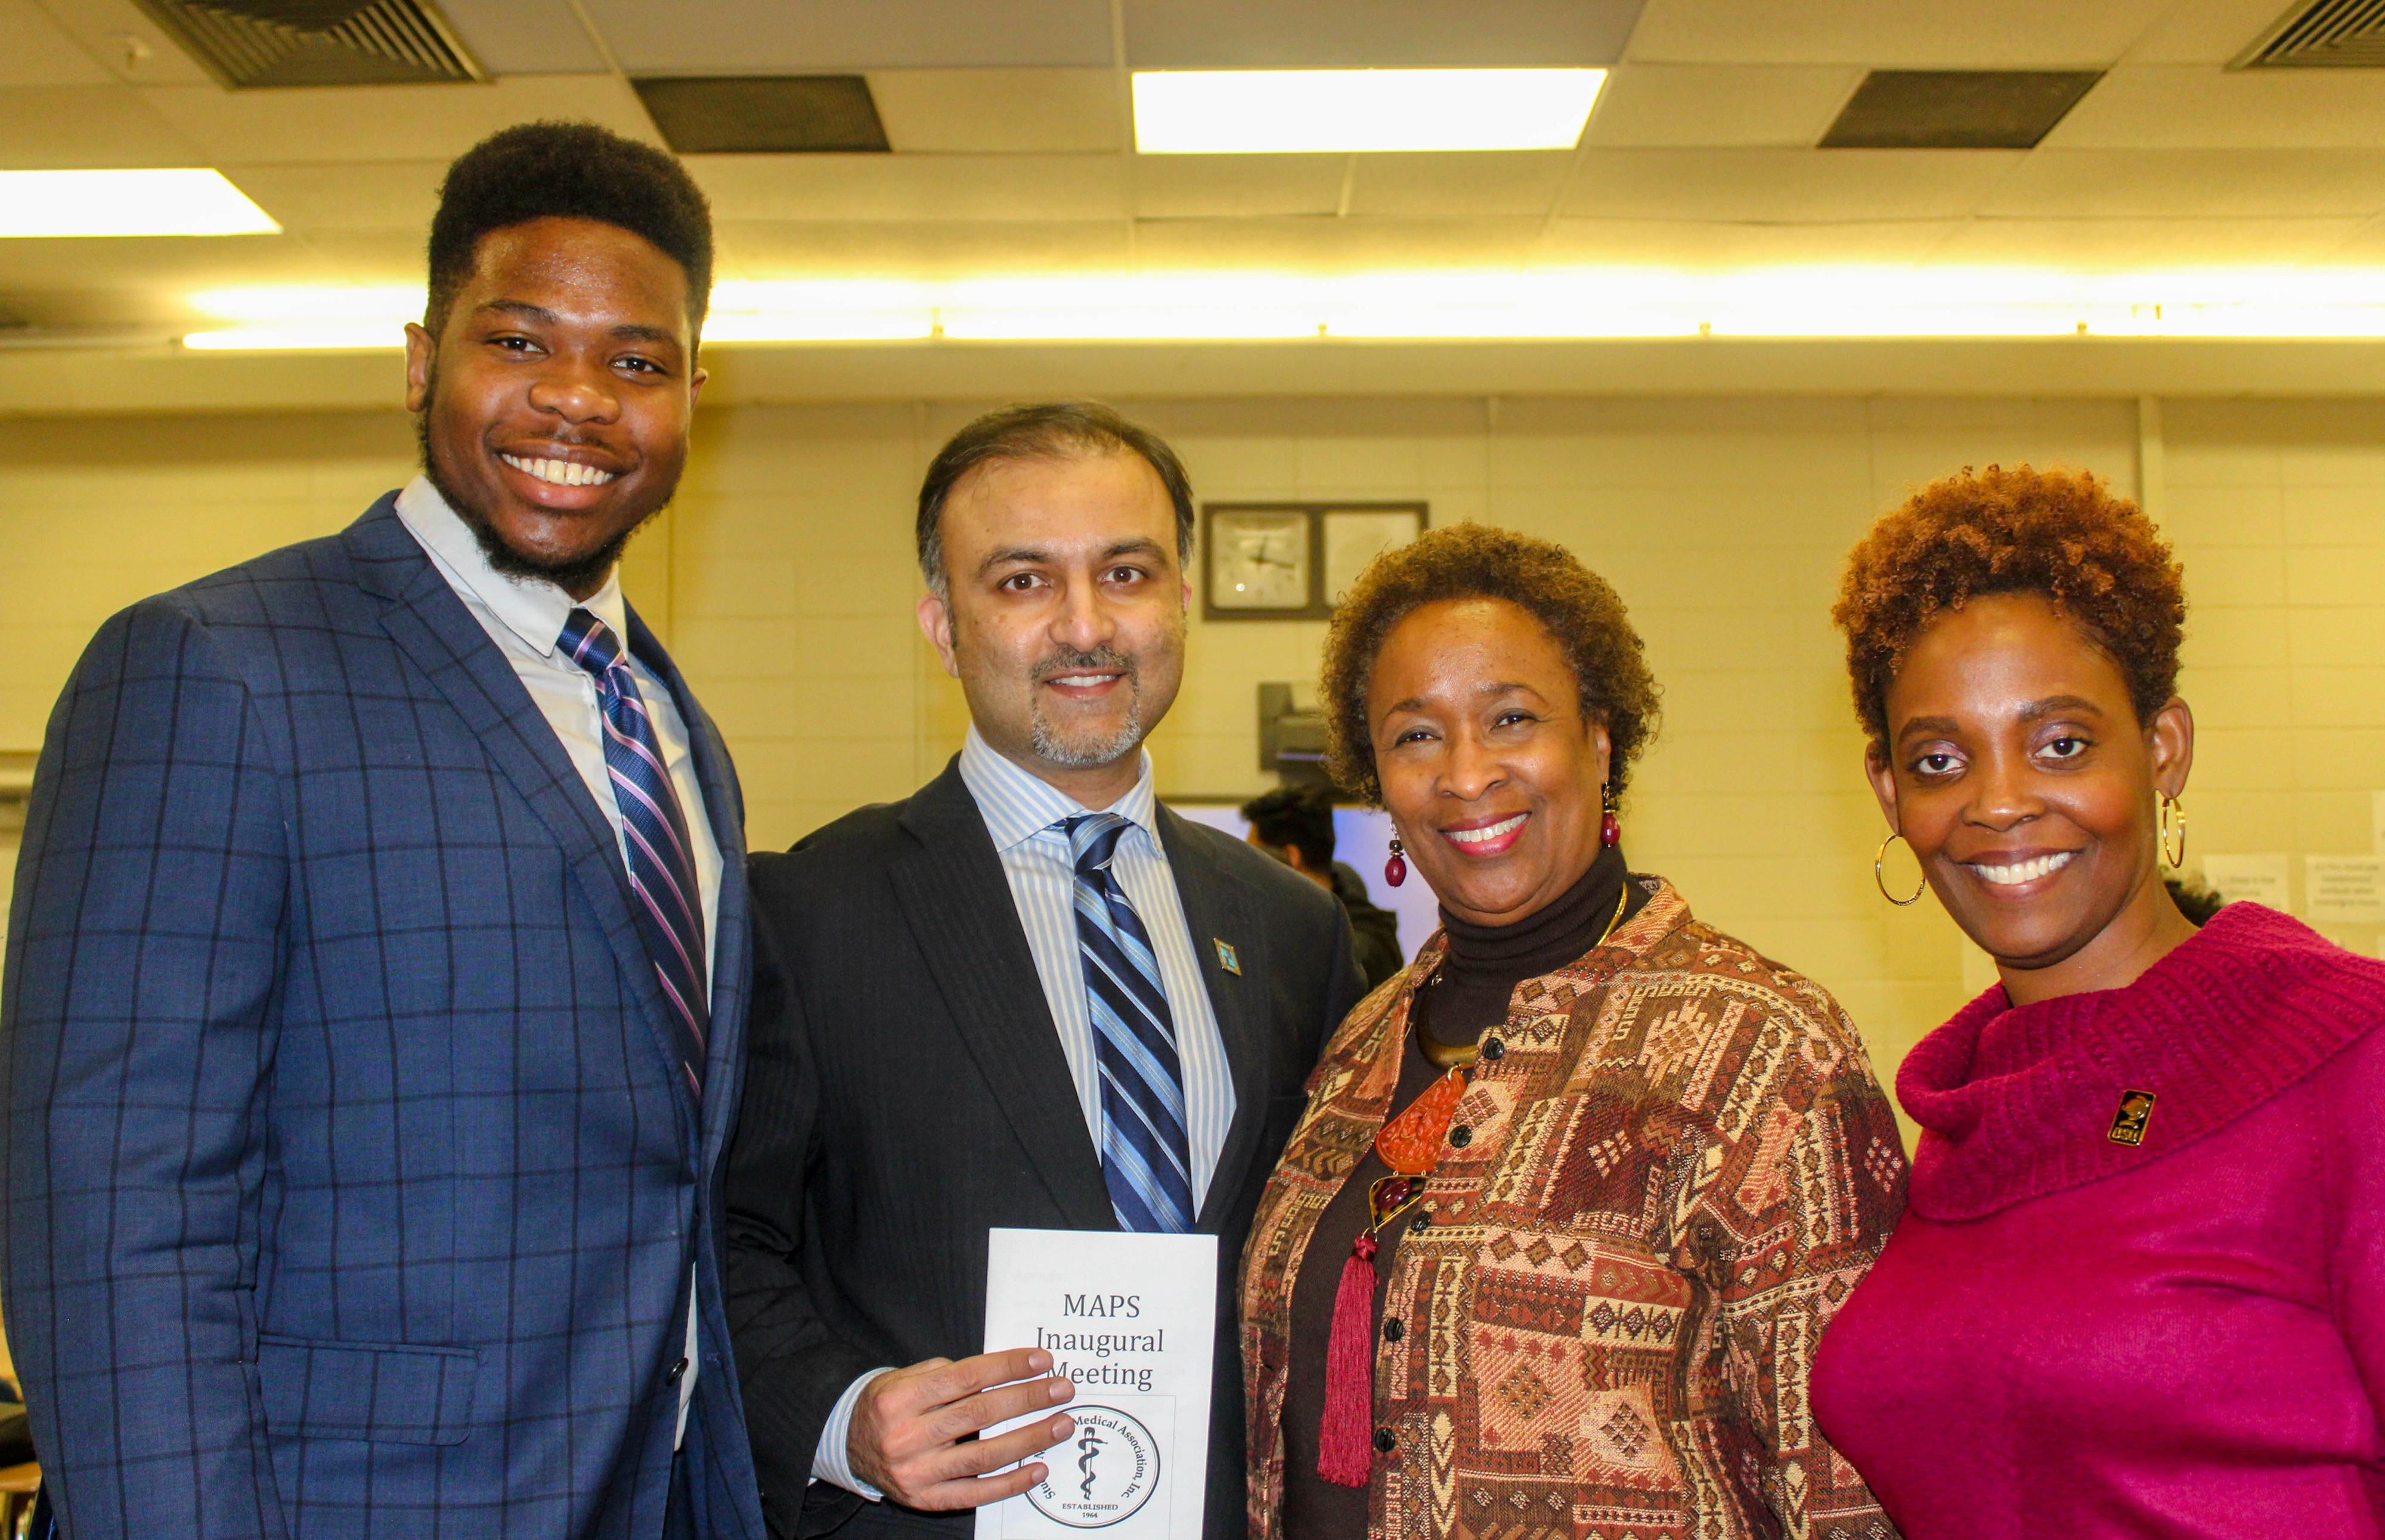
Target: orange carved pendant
pixel 1410 1143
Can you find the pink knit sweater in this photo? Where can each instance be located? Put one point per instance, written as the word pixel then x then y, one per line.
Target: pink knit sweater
pixel 2183 1338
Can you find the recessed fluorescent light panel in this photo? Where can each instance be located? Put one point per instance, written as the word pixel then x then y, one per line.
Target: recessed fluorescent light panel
pixel 1335 111
pixel 127 203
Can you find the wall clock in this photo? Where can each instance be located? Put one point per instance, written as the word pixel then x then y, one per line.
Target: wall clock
pixel 1294 562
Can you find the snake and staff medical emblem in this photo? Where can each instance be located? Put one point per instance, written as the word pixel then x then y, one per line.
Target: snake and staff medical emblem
pixel 1117 1471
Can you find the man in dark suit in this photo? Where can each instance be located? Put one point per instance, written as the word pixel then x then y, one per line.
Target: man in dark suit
pixel 377 967
pixel 1028 996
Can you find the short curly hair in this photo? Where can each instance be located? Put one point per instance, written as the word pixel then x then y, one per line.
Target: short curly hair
pixel 567 171
pixel 1476 561
pixel 2061 534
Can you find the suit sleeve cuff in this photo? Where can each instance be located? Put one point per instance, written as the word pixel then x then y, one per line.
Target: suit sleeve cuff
pixel 830 1461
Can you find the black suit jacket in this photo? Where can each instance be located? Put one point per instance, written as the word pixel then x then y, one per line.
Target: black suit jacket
pixel 906 1091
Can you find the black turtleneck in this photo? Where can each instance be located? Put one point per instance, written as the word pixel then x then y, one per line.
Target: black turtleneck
pixel 1468 994
pixel 1484 964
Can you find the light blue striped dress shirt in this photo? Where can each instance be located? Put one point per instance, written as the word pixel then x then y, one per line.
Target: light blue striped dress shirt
pixel 1022 813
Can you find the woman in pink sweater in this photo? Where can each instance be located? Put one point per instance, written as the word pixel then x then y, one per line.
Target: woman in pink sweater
pixel 2140 1289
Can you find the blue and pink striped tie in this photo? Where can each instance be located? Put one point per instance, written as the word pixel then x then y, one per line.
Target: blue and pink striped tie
pixel 662 861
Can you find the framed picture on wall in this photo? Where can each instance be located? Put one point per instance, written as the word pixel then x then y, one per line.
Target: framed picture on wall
pixel 1294 562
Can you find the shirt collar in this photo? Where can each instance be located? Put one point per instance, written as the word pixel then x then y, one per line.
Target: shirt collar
pixel 1017 804
pixel 531 609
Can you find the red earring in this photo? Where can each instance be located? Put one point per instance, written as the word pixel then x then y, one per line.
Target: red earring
pixel 1610 832
pixel 1395 871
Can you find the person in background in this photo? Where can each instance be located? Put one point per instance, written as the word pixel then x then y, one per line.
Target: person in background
pixel 1576 1196
pixel 376 983
pixel 1028 996
pixel 2141 1290
pixel 2193 900
pixel 1294 824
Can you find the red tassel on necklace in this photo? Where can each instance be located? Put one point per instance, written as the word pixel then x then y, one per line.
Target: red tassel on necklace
pixel 1345 1442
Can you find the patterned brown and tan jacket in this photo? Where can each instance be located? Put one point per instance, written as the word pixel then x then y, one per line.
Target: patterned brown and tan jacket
pixel 1677 1170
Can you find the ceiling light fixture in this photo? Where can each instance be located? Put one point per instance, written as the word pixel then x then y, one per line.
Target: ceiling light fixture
pixel 354 337
pixel 1332 111
pixel 185 202
pixel 1847 304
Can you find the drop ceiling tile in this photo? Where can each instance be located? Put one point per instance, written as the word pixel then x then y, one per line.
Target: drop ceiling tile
pixel 2134 244
pixel 1445 186
pixel 918 188
pixel 1000 111
pixel 524 37
pixel 2191 183
pixel 34 50
pixel 1236 186
pixel 761 249
pixel 389 122
pixel 2193 106
pixel 1696 105
pixel 309 196
pixel 1684 243
pixel 2207 31
pixel 86 282
pixel 1787 186
pixel 1374 35
pixel 374 256
pixel 118 36
pixel 1914 34
pixel 61 126
pixel 694 37
pixel 1327 245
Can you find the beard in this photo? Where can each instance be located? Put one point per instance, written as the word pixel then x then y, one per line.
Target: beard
pixel 1087 747
pixel 583 572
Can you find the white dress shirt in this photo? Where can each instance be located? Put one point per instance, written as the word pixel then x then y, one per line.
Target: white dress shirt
pixel 1022 813
pixel 525 617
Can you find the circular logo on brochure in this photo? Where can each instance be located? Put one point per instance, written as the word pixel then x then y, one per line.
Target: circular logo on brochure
pixel 1103 1475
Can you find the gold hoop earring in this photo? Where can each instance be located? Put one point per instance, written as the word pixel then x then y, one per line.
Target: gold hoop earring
pixel 1879 877
pixel 2173 817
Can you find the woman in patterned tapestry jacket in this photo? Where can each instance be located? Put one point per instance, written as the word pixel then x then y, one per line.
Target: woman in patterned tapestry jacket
pixel 1577 1192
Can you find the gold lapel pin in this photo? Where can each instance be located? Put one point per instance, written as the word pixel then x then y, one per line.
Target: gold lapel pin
pixel 2128 1122
pixel 1226 958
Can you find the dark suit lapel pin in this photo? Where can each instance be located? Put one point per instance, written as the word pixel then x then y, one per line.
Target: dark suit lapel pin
pixel 2128 1122
pixel 1226 958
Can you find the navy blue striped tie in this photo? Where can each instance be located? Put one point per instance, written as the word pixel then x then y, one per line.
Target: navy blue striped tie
pixel 662 861
pixel 1146 1159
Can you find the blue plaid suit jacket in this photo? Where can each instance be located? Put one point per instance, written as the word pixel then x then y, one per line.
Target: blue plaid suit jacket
pixel 350 1188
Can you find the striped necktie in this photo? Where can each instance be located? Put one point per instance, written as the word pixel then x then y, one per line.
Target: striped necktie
pixel 670 906
pixel 1146 1159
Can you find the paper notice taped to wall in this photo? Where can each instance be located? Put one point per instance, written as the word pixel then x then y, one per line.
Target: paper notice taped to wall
pixel 2261 879
pixel 2344 890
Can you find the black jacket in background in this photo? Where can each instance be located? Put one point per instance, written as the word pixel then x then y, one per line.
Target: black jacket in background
pixel 1374 932
pixel 906 1091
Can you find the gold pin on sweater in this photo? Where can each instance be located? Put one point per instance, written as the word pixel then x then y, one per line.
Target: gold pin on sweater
pixel 2128 1122
pixel 1226 958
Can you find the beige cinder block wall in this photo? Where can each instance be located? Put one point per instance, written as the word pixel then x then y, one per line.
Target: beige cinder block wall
pixel 783 581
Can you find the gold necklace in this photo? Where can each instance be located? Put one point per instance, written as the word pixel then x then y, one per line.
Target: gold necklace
pixel 1445 1056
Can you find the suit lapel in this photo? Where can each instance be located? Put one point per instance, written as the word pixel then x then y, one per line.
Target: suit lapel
pixel 430 625
pixel 953 892
pixel 1221 908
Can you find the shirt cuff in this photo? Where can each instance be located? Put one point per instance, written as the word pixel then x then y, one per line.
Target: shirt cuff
pixel 830 1461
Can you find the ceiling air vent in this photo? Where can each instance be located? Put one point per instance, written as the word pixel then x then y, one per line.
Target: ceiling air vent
pixel 273 43
pixel 1957 109
pixel 2333 34
pixel 763 114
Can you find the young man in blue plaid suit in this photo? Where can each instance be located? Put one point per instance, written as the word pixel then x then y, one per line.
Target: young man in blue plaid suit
pixel 377 975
